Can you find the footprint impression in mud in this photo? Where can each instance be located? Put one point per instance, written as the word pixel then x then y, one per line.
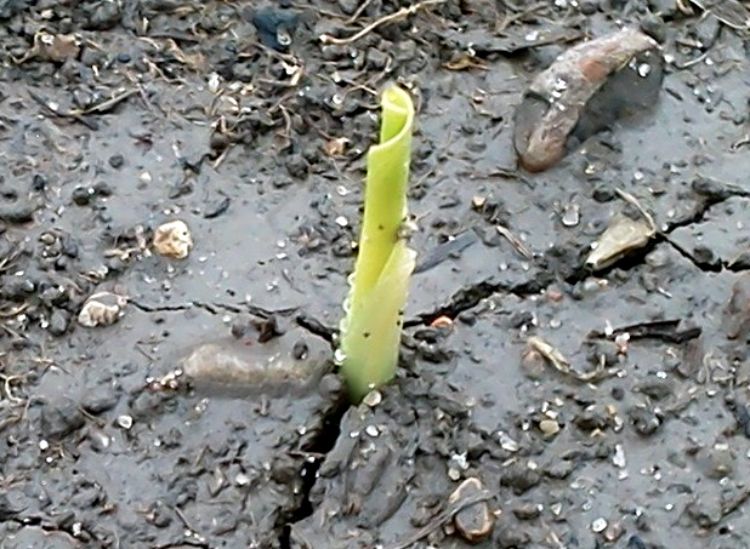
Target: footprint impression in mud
pixel 257 362
pixel 583 92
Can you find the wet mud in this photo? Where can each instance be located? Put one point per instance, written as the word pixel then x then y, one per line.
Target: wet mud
pixel 542 400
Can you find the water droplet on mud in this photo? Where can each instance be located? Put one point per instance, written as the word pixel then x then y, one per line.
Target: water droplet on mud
pixel 339 357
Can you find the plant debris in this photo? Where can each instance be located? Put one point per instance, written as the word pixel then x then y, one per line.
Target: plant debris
pixel 553 106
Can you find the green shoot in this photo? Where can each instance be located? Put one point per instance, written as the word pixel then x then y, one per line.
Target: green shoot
pixel 371 329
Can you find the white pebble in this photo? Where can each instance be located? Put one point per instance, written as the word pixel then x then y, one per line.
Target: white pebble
pixel 599 525
pixel 173 239
pixel 125 422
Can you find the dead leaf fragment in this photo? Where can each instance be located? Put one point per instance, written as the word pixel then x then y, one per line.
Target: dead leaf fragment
pixel 52 47
pixel 57 47
pixel 464 62
pixel 622 236
pixel 335 146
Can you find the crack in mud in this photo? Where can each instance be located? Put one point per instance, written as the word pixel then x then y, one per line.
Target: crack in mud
pixel 211 308
pixel 464 299
pixel 703 266
pixel 322 443
pixel 468 297
pixel 713 196
pixel 319 446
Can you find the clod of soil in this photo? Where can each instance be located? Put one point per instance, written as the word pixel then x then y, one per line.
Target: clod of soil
pixel 287 365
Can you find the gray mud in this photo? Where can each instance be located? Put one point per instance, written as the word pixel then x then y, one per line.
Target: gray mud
pixel 231 119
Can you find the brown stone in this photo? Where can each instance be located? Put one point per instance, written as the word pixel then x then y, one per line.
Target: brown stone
pixel 474 522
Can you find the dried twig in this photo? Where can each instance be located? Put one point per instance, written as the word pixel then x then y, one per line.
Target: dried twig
pixel 441 518
pixel 54 110
pixel 7 386
pixel 6 263
pixel 516 242
pixel 14 311
pixel 560 363
pixel 362 7
pixel 395 16
pixel 741 142
pixel 108 104
pixel 633 201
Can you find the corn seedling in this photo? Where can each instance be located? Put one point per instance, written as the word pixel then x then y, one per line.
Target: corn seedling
pixel 374 308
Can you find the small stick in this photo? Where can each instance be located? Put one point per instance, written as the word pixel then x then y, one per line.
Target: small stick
pixel 441 518
pixel 106 105
pixel 633 201
pixel 741 143
pixel 395 16
pixel 516 242
pixel 359 11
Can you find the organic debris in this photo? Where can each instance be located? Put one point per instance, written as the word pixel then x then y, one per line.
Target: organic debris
pixel 555 103
pixel 665 330
pixel 621 237
pixel 53 47
pixel 554 357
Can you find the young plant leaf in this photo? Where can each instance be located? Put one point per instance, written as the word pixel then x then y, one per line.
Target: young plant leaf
pixel 371 330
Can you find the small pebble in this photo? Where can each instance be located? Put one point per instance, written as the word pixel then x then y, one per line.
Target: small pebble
pixel 613 532
pixel 571 215
pixel 599 525
pixel 173 239
pixel 549 427
pixel 528 511
pixel 373 398
pixel 474 522
pixel 241 479
pixel 102 309
pixel 618 459
pixel 125 422
pixel 82 195
pixel 100 441
pixel 116 161
pixel 507 443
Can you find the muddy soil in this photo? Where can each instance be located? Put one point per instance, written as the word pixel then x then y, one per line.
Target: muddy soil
pixel 238 120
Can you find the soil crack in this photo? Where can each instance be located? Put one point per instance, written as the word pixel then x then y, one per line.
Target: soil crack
pixel 211 308
pixel 470 296
pixel 318 448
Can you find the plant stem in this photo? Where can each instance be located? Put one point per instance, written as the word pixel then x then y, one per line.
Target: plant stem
pixel 371 331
